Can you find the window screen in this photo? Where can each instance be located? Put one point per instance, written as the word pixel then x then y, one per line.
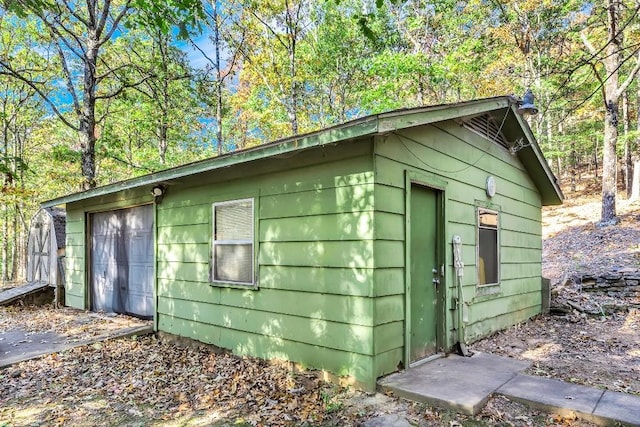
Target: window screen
pixel 488 260
pixel 233 241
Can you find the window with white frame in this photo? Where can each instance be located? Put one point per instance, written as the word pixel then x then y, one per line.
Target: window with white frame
pixel 232 252
pixel 488 261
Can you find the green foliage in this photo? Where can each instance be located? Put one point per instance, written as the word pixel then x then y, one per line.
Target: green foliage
pixel 11 166
pixel 350 59
pixel 331 404
pixel 23 7
pixel 168 14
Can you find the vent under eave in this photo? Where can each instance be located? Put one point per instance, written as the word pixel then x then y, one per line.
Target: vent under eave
pixel 485 126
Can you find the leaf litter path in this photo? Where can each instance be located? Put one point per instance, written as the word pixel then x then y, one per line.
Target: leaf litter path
pixel 145 381
pixel 31 332
pixel 573 243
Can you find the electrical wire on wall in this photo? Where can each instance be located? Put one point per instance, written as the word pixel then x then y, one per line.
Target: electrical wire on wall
pixel 404 138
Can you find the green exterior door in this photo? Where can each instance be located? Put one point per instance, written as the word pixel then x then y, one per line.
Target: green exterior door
pixel 424 266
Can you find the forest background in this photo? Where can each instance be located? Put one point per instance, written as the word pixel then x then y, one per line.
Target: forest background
pixel 99 91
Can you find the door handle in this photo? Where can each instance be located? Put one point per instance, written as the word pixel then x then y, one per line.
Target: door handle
pixel 435 280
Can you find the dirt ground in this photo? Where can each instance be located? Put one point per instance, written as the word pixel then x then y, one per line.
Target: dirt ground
pixel 145 381
pixel 142 381
pixel 601 351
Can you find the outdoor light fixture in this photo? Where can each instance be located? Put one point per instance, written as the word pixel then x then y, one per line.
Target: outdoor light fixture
pixel 158 193
pixel 526 107
pixel 490 187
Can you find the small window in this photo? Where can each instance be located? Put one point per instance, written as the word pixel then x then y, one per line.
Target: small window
pixel 488 260
pixel 232 252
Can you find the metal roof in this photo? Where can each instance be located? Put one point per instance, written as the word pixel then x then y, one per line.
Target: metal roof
pixel 377 124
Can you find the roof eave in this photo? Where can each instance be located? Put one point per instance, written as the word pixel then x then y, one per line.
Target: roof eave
pixel 402 119
pixel 371 125
pixel 551 193
pixel 351 130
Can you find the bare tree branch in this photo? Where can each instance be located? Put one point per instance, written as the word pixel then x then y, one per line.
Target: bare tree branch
pixel 11 73
pixel 592 50
pixel 68 81
pixel 54 32
pixel 630 77
pixel 110 71
pixel 123 87
pixel 114 26
pixel 601 86
pixel 271 30
pixel 133 165
pixel 103 19
pixel 91 9
pixel 73 12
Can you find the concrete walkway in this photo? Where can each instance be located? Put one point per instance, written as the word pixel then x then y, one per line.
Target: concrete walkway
pixel 465 384
pixel 18 346
pixel 11 295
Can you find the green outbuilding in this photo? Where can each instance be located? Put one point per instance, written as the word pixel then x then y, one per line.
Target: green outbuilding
pixel 357 249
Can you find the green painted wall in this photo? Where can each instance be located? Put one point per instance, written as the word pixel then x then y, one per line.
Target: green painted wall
pixel 463 160
pixel 74 259
pixel 330 232
pixel 316 263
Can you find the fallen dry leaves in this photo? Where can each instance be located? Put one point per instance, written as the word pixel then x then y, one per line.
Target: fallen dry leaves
pixel 573 243
pixel 144 379
pixel 597 351
pixel 73 324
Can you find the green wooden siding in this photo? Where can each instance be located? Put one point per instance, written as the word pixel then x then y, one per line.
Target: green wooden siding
pixel 464 160
pixel 330 248
pixel 74 262
pixel 316 263
pixel 304 329
pixel 241 342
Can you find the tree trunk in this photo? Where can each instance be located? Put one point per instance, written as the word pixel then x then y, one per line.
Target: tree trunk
pixel 162 138
pixel 293 108
pixel 87 114
pixel 559 148
pixel 163 123
pixel 216 36
pixel 627 148
pixel 574 165
pixel 595 158
pixel 292 32
pixel 5 206
pixel 609 160
pixel 15 245
pixel 635 184
pixel 549 135
pixel 5 244
pixel 20 222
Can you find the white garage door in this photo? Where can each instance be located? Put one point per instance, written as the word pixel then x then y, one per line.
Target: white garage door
pixel 122 261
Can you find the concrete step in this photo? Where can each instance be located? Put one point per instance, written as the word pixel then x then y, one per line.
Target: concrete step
pixel 599 406
pixel 465 384
pixel 462 384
